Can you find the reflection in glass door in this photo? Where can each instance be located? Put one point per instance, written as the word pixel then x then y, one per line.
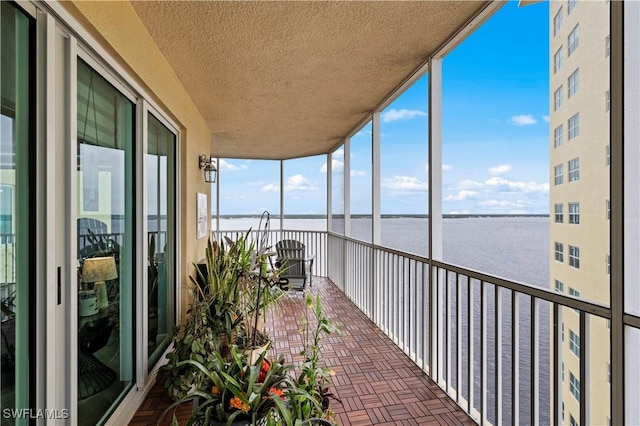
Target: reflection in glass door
pixel 160 163
pixel 16 207
pixel 105 245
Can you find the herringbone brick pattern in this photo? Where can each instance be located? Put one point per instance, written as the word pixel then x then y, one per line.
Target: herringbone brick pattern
pixel 376 382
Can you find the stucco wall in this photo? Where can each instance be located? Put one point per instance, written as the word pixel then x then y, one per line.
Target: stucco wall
pixel 119 30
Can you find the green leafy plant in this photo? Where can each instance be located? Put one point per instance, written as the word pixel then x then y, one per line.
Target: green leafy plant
pixel 314 376
pixel 234 389
pixel 195 340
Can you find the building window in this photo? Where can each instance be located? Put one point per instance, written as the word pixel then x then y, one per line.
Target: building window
pixel 572 421
pixel 608 153
pixel 574 126
pixel 557 98
pixel 559 252
pixel 563 379
pixel 608 209
pixel 573 39
pixel 574 256
pixel 608 264
pixel 559 286
pixel 609 372
pixel 574 83
pixel 557 22
pixel 563 334
pixel 563 402
pixel 607 100
pixel 558 212
pixel 574 213
pixel 570 5
pixel 574 343
pixel 607 46
pixel 574 292
pixel 557 60
pixel 574 386
pixel 558 174
pixel 574 170
pixel 558 135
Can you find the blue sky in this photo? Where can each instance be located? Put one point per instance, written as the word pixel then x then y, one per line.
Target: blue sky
pixel 495 136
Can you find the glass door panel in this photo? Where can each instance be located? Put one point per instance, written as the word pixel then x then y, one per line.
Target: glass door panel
pixel 161 208
pixel 16 207
pixel 105 245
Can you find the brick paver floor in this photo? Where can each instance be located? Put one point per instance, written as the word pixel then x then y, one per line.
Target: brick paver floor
pixel 376 382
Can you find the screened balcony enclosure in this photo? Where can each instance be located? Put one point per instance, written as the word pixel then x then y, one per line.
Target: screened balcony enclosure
pixel 470 205
pixel 475 299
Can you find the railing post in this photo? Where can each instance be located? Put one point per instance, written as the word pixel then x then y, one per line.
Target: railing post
pixel 619 182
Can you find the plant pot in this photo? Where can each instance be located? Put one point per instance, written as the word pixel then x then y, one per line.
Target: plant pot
pixel 253 354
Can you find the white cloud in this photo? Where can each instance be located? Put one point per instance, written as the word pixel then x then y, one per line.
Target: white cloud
pixel 459 212
pixel 355 173
pixel 504 203
pixel 523 120
pixel 336 166
pixel 225 165
pixel 401 114
pixel 514 186
pixel 501 169
pixel 468 184
pixel 545 118
pixel 462 195
pixel 404 185
pixel 270 188
pixel 299 183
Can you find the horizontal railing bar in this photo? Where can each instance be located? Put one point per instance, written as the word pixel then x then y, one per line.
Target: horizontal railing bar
pixel 592 308
pixel 631 320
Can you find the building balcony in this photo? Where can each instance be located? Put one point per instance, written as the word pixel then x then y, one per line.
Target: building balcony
pixel 420 346
pixel 376 382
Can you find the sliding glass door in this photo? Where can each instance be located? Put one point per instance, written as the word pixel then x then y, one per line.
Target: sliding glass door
pixel 105 211
pixel 16 209
pixel 161 208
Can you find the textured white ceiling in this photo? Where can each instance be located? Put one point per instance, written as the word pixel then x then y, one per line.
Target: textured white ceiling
pixel 279 80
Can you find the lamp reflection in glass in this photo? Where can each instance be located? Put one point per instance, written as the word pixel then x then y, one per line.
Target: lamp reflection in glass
pixel 97 270
pixel 209 167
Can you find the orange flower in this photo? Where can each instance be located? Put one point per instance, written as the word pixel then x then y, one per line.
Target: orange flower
pixel 238 404
pixel 215 390
pixel 277 391
pixel 274 391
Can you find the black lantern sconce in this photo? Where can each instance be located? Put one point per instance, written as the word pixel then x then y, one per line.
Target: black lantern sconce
pixel 209 167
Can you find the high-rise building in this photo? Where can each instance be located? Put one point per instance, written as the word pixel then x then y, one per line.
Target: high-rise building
pixel 579 195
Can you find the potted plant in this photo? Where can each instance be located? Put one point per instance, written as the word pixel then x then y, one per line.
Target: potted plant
pixel 196 339
pixel 229 294
pixel 237 392
pixel 314 376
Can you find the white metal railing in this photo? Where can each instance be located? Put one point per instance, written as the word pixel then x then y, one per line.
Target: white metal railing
pixel 315 243
pixel 478 336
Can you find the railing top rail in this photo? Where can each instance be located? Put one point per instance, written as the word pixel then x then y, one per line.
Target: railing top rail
pixel 410 256
pixel 548 295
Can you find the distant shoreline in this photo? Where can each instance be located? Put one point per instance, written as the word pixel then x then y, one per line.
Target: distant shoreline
pixel 384 216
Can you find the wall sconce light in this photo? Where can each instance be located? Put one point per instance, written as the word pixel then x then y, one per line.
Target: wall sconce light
pixel 209 167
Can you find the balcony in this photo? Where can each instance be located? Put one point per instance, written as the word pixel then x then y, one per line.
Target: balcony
pixel 375 381
pixel 429 339
pixel 121 100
